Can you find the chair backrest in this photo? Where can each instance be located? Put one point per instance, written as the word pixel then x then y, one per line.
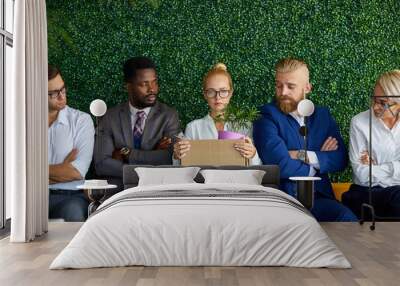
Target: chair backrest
pixel 270 179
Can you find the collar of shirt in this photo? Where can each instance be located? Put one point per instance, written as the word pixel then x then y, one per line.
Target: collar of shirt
pixel 212 122
pixel 208 118
pixel 134 110
pixel 380 124
pixel 62 117
pixel 297 117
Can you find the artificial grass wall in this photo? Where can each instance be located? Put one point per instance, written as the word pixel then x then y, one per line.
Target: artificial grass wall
pixel 346 43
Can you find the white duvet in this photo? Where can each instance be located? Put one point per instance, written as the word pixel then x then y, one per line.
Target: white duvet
pixel 183 231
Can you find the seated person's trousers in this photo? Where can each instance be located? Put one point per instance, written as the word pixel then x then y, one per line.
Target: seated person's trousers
pixel 386 201
pixel 70 205
pixel 329 209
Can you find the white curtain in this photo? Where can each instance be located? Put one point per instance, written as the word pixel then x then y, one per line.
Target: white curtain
pixel 27 123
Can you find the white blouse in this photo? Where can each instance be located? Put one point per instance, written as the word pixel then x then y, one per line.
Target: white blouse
pixel 204 128
pixel 385 151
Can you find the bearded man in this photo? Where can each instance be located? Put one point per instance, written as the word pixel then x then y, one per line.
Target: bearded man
pixel 278 140
pixel 138 131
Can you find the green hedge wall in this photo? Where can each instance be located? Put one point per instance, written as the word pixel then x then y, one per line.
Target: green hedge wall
pixel 346 43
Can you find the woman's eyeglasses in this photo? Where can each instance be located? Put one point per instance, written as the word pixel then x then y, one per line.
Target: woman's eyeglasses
pixel 211 93
pixel 383 106
pixel 58 92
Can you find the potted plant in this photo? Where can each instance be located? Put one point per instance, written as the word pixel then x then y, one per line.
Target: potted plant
pixel 239 120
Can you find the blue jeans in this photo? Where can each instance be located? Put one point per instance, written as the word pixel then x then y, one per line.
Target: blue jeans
pixel 70 205
pixel 328 209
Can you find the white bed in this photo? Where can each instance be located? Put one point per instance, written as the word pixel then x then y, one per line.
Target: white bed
pixel 222 225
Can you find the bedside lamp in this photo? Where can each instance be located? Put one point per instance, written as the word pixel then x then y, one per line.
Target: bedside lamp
pixel 305 108
pixel 95 193
pixel 305 185
pixel 97 108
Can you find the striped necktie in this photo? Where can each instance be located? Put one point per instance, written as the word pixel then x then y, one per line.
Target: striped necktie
pixel 138 129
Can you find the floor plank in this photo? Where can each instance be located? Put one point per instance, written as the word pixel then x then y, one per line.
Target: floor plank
pixel 374 255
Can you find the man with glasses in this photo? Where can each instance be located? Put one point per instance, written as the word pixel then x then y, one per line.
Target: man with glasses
pixel 385 156
pixel 138 131
pixel 278 140
pixel 71 140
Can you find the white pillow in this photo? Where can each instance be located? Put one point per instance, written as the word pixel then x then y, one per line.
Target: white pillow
pixel 248 177
pixel 166 176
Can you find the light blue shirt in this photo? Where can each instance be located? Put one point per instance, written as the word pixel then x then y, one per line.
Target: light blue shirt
pixel 72 129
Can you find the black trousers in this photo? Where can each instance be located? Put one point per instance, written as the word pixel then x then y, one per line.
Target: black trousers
pixel 386 201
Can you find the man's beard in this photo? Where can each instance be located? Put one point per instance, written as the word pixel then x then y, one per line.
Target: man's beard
pixel 287 106
pixel 141 103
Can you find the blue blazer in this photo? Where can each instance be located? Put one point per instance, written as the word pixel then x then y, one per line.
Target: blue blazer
pixel 275 133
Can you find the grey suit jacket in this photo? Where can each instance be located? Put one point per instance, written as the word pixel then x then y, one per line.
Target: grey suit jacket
pixel 115 131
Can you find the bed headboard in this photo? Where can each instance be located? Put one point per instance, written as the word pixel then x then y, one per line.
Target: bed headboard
pixel 270 179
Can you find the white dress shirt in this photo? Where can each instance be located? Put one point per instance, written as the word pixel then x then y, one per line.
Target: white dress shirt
pixel 312 157
pixel 134 110
pixel 72 129
pixel 204 128
pixel 385 151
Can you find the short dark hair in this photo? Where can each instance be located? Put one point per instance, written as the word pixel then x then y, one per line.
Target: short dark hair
pixel 134 64
pixel 53 71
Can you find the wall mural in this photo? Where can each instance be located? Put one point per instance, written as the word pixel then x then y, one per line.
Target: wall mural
pixel 346 43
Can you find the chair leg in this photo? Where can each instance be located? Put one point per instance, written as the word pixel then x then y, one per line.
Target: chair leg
pixel 372 210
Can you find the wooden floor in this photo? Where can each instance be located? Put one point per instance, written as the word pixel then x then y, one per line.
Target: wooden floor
pixel 375 256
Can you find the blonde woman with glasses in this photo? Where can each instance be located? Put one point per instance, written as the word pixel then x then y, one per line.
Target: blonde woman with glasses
pixel 385 155
pixel 217 91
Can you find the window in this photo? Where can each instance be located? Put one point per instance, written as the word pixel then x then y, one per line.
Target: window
pixel 9 15
pixel 6 66
pixel 9 56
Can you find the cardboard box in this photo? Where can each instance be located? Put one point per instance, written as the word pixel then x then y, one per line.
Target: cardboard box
pixel 213 152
